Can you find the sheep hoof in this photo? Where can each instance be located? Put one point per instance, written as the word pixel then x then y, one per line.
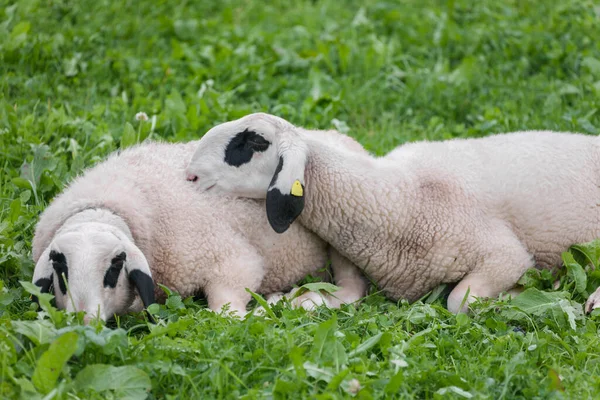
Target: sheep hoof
pixel 274 298
pixel 309 301
pixel 593 302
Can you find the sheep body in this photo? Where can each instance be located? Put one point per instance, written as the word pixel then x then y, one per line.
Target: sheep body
pixel 474 211
pixel 433 212
pixel 192 241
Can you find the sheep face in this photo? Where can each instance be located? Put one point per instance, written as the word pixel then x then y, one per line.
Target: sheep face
pixel 94 268
pixel 257 156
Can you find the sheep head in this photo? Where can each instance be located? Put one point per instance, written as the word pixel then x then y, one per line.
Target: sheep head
pixel 258 156
pixel 94 267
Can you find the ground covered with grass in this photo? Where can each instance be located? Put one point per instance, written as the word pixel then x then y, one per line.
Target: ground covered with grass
pixel 73 74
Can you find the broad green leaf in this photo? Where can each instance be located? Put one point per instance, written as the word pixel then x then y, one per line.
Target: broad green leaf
pixel 316 287
pixel 70 66
pixel 21 183
pixel 42 161
pixel 128 137
pixel 108 340
pixel 394 383
pixel 587 126
pixel 159 330
pixel 539 278
pixel 263 303
pixel 568 88
pixel 462 319
pixel 153 309
pixel 573 312
pixel 323 331
pixel 464 72
pixel 22 27
pixel 174 303
pixel 285 389
pixel 18 35
pixel 316 77
pixel 297 359
pixel 185 29
pixel 335 381
pixel 590 250
pixel 43 299
pixel 555 381
pixel 324 286
pixel 456 390
pixel 127 382
pixel 25 196
pixel 435 293
pixel 51 363
pixel 165 289
pixel 366 345
pixel 537 302
pixel 4 225
pixel 338 354
pixel 28 391
pixel 15 210
pixel 6 298
pixel 592 64
pixel 38 331
pixel 318 373
pixel 576 271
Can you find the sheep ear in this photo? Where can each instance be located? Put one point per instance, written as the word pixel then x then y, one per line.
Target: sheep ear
pixel 139 273
pixel 43 275
pixel 285 197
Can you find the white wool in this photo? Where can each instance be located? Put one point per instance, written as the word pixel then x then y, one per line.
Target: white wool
pixel 192 242
pixel 474 211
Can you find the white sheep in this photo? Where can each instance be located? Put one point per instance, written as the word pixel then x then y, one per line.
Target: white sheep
pixel 134 218
pixel 475 211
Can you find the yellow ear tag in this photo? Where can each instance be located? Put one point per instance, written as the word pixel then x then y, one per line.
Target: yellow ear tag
pixel 297 189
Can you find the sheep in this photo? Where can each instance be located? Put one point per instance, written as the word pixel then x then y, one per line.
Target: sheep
pixel 479 212
pixel 134 219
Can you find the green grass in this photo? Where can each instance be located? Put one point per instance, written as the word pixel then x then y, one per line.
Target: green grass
pixel 73 74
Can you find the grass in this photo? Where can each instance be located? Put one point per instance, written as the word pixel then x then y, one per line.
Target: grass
pixel 73 74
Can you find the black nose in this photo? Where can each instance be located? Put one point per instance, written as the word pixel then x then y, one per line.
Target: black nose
pixel 192 177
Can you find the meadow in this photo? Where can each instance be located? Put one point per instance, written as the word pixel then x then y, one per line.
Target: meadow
pixel 73 75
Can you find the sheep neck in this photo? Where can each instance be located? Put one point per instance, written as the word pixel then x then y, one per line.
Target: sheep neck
pixel 348 205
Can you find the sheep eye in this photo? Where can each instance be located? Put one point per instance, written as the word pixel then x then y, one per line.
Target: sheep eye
pixel 111 277
pixel 242 147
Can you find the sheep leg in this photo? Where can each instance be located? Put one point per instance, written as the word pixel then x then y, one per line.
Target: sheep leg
pixel 229 281
pixel 347 276
pixel 353 284
pixel 503 267
pixel 219 296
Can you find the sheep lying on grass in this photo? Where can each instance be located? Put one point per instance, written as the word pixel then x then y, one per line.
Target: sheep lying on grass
pixel 134 218
pixel 475 211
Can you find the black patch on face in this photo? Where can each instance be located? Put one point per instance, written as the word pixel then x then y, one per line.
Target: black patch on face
pixel 45 285
pixel 277 171
pixel 144 285
pixel 111 277
pixel 59 263
pixel 241 148
pixel 283 209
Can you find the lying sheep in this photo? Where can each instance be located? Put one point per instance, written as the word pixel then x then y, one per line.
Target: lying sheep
pixel 134 218
pixel 475 211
